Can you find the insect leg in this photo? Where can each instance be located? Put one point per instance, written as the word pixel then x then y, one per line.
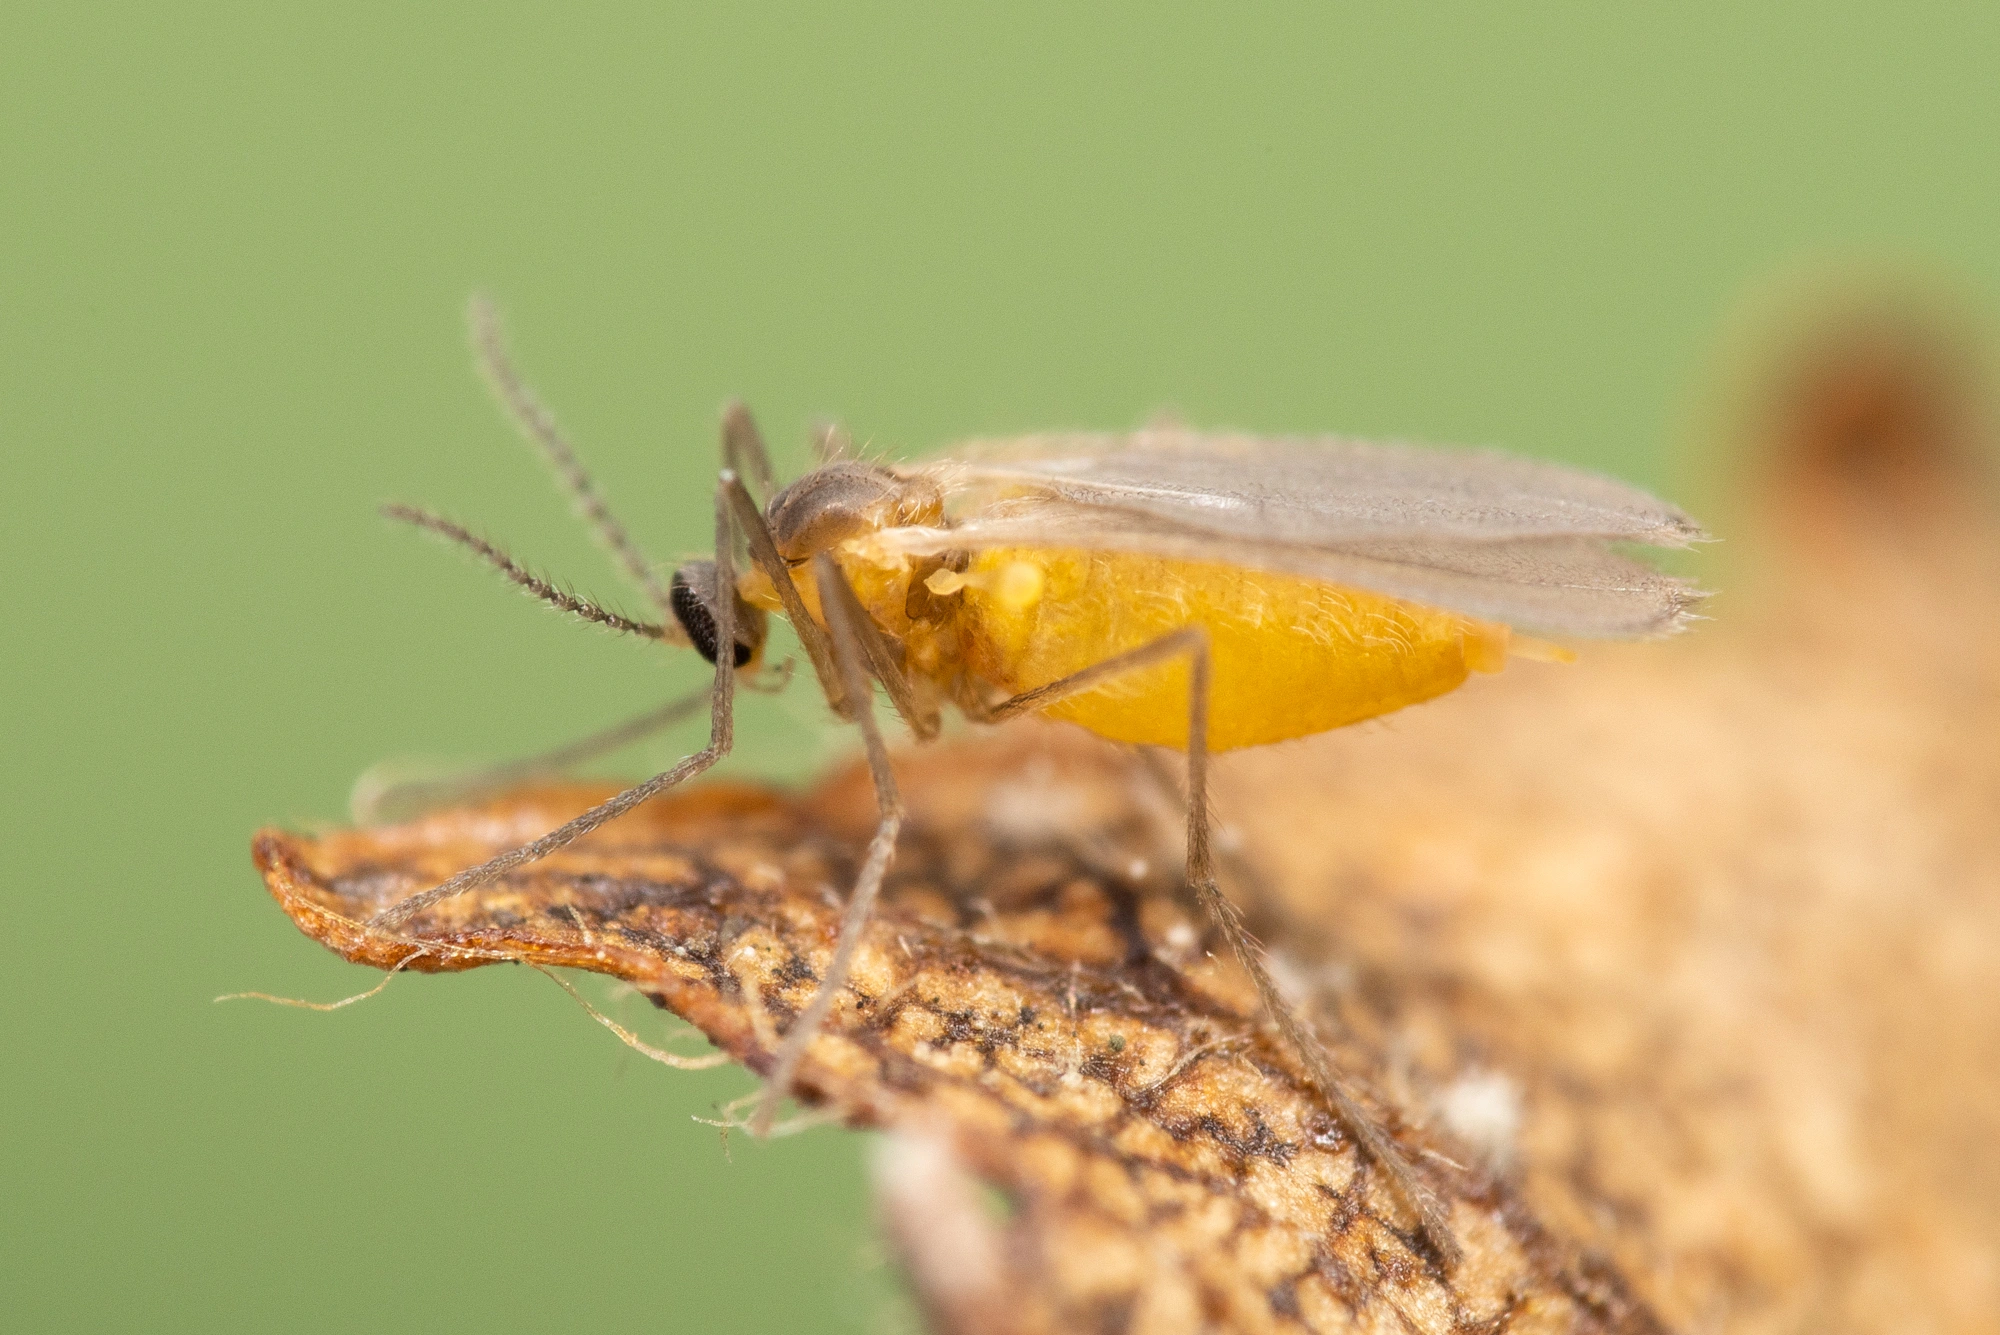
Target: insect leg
pixel 1188 642
pixel 1373 1142
pixel 743 448
pixel 721 736
pixel 1201 875
pixel 375 800
pixel 1242 875
pixel 843 615
pixel 881 659
pixel 536 422
pixel 764 552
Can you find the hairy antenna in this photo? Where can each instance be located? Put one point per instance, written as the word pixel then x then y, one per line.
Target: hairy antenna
pixel 527 579
pixel 539 425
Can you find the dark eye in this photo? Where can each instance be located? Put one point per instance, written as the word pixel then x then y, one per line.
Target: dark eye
pixel 692 593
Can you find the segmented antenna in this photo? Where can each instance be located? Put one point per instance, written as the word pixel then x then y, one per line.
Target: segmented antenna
pixel 555 597
pixel 539 425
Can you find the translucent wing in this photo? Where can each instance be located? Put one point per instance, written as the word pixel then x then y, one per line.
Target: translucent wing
pixel 1322 489
pixel 1512 540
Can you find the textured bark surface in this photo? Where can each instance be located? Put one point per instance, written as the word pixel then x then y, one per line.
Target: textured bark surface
pixel 1675 971
pixel 1033 993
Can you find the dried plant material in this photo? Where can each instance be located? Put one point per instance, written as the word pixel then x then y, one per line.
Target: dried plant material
pixel 1677 973
pixel 1033 991
pixel 1702 944
pixel 931 1210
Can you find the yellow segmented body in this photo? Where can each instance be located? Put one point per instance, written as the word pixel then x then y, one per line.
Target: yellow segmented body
pixel 1292 656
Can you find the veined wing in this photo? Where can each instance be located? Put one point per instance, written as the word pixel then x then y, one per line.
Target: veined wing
pixel 1320 489
pixel 1504 539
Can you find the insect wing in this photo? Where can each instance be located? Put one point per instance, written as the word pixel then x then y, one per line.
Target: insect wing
pixel 1506 539
pixel 1323 489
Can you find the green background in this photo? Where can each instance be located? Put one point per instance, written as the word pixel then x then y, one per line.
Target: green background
pixel 235 241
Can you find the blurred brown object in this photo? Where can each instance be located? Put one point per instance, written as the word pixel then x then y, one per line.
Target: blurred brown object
pixel 1677 972
pixel 1033 1007
pixel 1705 935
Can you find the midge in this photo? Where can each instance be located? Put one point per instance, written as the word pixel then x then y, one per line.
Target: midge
pixel 1169 588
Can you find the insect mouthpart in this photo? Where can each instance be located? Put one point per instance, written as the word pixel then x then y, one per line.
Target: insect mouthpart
pixel 693 595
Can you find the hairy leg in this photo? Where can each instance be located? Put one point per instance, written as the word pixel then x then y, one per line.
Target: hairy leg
pixel 375 801
pixel 844 615
pixel 1295 1030
pixel 764 552
pixel 878 658
pixel 743 449
pixel 881 660
pixel 721 736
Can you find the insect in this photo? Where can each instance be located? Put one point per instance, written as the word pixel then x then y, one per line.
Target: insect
pixel 1166 588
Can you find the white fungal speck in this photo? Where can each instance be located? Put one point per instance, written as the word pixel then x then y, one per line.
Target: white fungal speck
pixel 1483 1109
pixel 1036 809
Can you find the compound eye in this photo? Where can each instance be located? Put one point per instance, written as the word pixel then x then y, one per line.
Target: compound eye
pixel 693 594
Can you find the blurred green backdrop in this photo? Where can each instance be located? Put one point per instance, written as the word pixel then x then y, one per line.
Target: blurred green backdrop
pixel 236 244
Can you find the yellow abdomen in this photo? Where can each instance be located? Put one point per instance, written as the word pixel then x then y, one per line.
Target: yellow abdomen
pixel 1292 656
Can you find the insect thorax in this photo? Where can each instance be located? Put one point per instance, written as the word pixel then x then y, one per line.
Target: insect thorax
pixel 844 500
